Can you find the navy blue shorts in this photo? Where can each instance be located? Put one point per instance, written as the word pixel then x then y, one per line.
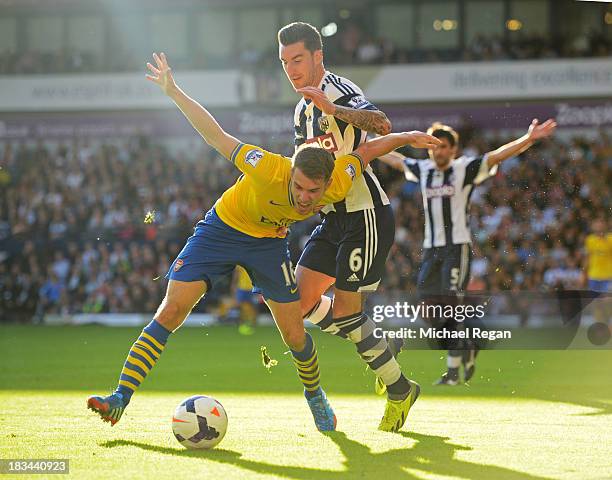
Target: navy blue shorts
pixel 243 296
pixel 352 248
pixel 443 277
pixel 215 249
pixel 445 269
pixel 601 286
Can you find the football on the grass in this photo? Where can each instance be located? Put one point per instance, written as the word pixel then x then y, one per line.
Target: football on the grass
pixel 199 422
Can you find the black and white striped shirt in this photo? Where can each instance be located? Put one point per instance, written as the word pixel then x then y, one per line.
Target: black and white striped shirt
pixel 340 138
pixel 446 196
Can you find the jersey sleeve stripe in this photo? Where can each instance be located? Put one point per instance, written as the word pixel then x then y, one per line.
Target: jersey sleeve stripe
pixel 289 196
pixel 349 89
pixel 343 86
pixel 340 87
pixel 358 157
pixel 341 93
pixel 235 152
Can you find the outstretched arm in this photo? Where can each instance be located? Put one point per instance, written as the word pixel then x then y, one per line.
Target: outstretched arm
pixel 379 146
pixel 368 120
pixel 198 116
pixel 394 160
pixel 518 146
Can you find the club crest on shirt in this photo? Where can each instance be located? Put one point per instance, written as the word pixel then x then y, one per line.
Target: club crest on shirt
pixel 253 157
pixel 323 123
pixel 350 170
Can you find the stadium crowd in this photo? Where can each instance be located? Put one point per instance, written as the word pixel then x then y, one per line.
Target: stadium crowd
pixel 93 227
pixel 352 46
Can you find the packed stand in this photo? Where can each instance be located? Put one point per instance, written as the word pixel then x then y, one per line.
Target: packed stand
pixel 90 228
pixel 93 229
pixel 352 46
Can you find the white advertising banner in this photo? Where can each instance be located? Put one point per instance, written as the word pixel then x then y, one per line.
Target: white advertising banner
pixel 534 79
pixel 454 82
pixel 122 91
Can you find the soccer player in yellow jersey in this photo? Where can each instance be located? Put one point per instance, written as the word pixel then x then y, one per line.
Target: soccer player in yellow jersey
pixel 245 299
pixel 598 247
pixel 248 226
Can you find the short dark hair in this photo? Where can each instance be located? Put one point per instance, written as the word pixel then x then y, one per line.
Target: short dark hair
pixel 301 32
pixel 314 162
pixel 440 130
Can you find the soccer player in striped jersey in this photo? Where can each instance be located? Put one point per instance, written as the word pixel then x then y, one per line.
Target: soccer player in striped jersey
pixel 248 226
pixel 349 249
pixel 447 184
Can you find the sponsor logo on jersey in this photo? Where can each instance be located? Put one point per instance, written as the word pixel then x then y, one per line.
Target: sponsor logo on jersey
pixel 326 141
pixel 442 191
pixel 178 264
pixel 353 278
pixel 324 123
pixel 282 231
pixel 282 223
pixel 253 157
pixel 350 170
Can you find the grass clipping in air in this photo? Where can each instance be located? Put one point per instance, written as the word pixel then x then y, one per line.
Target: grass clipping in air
pixel 150 216
pixel 267 361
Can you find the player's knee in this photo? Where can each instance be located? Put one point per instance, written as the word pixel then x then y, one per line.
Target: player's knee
pixel 346 303
pixel 295 339
pixel 170 314
pixel 311 286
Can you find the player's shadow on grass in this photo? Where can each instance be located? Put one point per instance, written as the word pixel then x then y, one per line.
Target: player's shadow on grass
pixel 428 454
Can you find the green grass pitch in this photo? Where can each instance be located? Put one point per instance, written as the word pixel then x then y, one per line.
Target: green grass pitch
pixel 526 415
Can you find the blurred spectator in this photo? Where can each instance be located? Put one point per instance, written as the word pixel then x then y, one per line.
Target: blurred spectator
pixel 73 237
pixel 353 44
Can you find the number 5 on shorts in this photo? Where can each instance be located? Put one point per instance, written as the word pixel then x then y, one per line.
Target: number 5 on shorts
pixel 454 280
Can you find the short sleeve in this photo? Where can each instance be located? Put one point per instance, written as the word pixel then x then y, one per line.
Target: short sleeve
pixel 356 101
pixel 412 171
pixel 257 163
pixel 477 170
pixel 346 169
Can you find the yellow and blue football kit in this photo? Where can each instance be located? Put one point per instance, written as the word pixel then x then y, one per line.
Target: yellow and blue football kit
pixel 599 272
pixel 248 225
pixel 260 203
pixel 244 287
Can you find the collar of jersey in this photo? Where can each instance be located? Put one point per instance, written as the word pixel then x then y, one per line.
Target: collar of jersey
pixel 289 196
pixel 325 74
pixel 320 86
